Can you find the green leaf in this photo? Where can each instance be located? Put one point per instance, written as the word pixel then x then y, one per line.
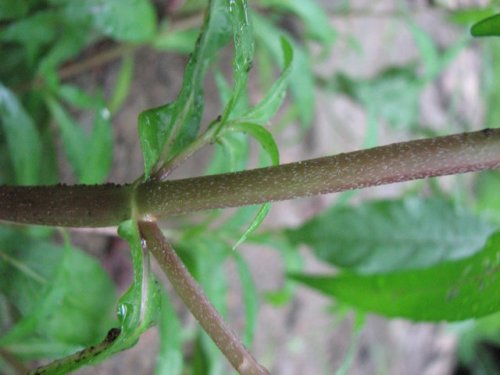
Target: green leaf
pixel 384 236
pixel 123 82
pixel 450 291
pixel 89 156
pixel 57 313
pixel 181 41
pixel 434 61
pixel 488 199
pixel 261 135
pixel 125 20
pixel 137 309
pixel 487 27
pixel 243 53
pixel 13 9
pixel 274 97
pixel 74 139
pixel 69 44
pixel 23 139
pixel 167 130
pixel 470 15
pixel 301 77
pixel 169 360
pixel 100 149
pixel 266 141
pixel 472 333
pixel 75 96
pixel 34 32
pixel 427 49
pixel 315 19
pixel 250 298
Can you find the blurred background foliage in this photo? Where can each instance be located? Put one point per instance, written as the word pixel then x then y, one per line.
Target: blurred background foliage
pixel 56 299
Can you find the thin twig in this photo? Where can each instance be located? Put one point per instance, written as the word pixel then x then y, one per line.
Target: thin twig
pixel 196 301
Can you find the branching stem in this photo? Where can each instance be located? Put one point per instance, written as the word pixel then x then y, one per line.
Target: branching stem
pixel 108 205
pixel 197 302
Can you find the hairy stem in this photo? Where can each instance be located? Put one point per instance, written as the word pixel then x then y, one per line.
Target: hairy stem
pixel 66 206
pixel 354 170
pixel 197 302
pixel 108 205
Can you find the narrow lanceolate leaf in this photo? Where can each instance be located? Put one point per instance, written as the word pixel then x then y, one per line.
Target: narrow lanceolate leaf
pixel 23 139
pixel 167 130
pixel 89 156
pixel 301 76
pixel 384 236
pixel 243 52
pixel 488 27
pixel 274 97
pixel 137 310
pixel 268 144
pixel 451 291
pixel 122 85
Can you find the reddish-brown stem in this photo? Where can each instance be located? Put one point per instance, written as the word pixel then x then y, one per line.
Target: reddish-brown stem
pixel 354 170
pixel 196 301
pixel 108 205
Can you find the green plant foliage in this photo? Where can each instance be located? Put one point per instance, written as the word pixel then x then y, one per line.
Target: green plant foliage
pixel 384 236
pixel 55 313
pixel 90 156
pixel 250 298
pixel 413 258
pixel 301 79
pixel 127 20
pixel 450 291
pixel 487 27
pixel 17 124
pixel 263 111
pixel 137 310
pixel 182 41
pixel 170 358
pixel 382 94
pixel 474 333
pixel 122 85
pixel 167 130
pixel 488 199
pixel 315 20
pixel 433 61
pixel 138 307
pixel 13 9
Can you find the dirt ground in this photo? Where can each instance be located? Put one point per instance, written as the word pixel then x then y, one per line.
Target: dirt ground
pixel 302 338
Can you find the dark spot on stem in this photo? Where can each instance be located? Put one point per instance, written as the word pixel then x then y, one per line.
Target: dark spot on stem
pixel 249 66
pixel 112 335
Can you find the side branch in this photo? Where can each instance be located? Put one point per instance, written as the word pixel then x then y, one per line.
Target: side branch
pixel 196 301
pixel 397 162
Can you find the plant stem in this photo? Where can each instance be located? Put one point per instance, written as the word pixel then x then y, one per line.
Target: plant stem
pixel 197 302
pixel 398 162
pixel 66 206
pixel 108 205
